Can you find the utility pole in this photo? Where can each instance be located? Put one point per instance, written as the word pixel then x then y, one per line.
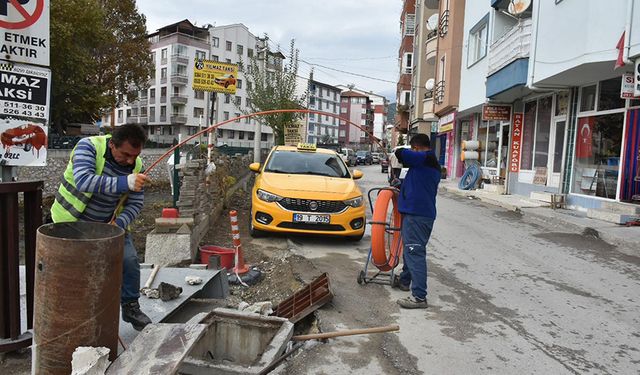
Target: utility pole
pixel 257 139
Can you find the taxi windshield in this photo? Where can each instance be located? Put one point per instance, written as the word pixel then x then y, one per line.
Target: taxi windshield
pixel 313 163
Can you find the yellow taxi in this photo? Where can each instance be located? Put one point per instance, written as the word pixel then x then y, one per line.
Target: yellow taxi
pixel 309 190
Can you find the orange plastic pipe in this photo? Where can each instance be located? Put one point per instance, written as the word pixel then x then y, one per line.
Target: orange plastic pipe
pixel 385 258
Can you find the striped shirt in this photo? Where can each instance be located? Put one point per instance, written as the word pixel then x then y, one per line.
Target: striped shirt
pixel 106 188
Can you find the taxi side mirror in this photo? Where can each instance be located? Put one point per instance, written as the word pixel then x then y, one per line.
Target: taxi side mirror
pixel 255 167
pixel 357 174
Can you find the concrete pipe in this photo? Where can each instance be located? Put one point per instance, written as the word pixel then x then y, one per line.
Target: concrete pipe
pixel 469 155
pixel 77 292
pixel 470 145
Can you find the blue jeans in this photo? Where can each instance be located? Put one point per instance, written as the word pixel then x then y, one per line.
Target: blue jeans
pixel 416 231
pixel 130 272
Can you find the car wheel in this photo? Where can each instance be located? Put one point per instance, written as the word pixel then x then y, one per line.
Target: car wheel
pixel 256 233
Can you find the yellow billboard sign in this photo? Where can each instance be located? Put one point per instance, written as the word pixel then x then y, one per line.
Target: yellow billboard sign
pixel 215 76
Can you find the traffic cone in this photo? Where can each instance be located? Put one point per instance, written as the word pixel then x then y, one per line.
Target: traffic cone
pixel 239 268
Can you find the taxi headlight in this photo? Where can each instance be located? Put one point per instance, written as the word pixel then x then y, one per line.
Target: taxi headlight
pixel 267 197
pixel 354 202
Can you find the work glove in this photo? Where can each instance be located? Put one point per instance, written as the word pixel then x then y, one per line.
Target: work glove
pixel 136 181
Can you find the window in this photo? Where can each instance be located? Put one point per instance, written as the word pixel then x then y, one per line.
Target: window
pixel 343 110
pixel 342 133
pixel 201 55
pixel 409 24
pixel 129 112
pixel 247 120
pixel 249 85
pixel 197 112
pixel 263 137
pixel 536 134
pixel 588 98
pixel 163 56
pixel 408 63
pixel 163 111
pixel 597 155
pixel 198 94
pixel 477 47
pixel 239 49
pixel 251 136
pixel 163 73
pixel 239 84
pixel 215 58
pixel 311 128
pixel 609 94
pixel 240 135
pixel 219 133
pixel 250 52
pixel 238 101
pixel 179 50
pixel 236 116
pixel 225 115
pixel 215 41
pixel 227 98
pixel 229 46
pixel 228 61
pixel 231 134
pixel 152 93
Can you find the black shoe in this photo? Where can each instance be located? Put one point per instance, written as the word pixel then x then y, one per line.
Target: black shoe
pixel 131 313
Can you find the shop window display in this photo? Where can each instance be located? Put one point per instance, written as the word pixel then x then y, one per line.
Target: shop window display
pixel 597 155
pixel 488 136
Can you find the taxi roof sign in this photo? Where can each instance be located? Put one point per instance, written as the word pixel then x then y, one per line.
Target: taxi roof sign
pixel 306 146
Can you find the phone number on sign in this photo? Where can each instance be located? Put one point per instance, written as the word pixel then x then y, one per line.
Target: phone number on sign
pixel 38 113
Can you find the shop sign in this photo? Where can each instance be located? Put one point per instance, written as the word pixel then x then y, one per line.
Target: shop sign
pixel 24 31
pixel 636 90
pixel 23 142
pixel 516 143
pixel 628 86
pixel 24 91
pixel 215 76
pixel 293 134
pixel 496 112
pixel 445 123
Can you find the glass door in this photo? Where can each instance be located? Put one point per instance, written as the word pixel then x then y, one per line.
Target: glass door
pixel 556 151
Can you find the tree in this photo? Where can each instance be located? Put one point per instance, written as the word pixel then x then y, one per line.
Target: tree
pixel 99 56
pixel 274 89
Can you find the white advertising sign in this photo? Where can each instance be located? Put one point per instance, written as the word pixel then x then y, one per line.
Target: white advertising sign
pixel 24 91
pixel 24 31
pixel 23 143
pixel 626 90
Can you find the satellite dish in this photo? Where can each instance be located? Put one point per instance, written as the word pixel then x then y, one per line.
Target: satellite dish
pixel 517 7
pixel 432 22
pixel 429 84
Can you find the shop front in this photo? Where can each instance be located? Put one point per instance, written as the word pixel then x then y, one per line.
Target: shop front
pixel 493 134
pixel 445 142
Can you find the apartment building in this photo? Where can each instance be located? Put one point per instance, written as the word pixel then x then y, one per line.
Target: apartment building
pixel 405 63
pixel 169 106
pixel 234 44
pixel 358 109
pixel 322 128
pixel 380 107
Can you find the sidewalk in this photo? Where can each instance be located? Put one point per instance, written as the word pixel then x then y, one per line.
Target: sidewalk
pixel 627 239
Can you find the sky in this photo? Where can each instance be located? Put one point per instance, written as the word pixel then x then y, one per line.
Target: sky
pixel 356 36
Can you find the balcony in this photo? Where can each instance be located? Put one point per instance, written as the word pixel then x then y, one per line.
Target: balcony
pixel 152 100
pixel 163 99
pixel 163 80
pixel 443 27
pixel 178 99
pixel 431 46
pixel 179 118
pixel 515 44
pixel 180 58
pixel 152 118
pixel 427 107
pixel 142 120
pixel 179 78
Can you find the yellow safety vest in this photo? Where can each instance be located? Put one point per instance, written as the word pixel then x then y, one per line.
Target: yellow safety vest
pixel 70 203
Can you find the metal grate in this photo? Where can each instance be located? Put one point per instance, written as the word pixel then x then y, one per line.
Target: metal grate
pixel 306 205
pixel 306 300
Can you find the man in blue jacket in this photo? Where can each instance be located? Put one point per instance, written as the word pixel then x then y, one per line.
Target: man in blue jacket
pixel 417 204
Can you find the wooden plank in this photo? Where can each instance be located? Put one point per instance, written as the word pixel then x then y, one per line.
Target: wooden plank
pixel 158 349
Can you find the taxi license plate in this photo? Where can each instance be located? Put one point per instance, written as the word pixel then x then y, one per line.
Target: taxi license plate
pixel 313 219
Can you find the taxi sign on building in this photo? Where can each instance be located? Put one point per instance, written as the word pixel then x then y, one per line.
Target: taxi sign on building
pixel 215 76
pixel 24 31
pixel 24 91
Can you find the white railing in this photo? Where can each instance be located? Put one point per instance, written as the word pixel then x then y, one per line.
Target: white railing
pixel 515 44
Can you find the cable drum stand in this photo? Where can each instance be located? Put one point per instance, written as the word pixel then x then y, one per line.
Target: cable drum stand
pixel 378 250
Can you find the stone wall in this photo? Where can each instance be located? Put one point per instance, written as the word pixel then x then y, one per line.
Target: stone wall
pixel 57 163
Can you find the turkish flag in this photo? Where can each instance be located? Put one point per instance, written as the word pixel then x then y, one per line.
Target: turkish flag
pixel 620 48
pixel 584 140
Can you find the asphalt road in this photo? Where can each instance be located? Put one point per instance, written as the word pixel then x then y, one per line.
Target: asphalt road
pixel 507 295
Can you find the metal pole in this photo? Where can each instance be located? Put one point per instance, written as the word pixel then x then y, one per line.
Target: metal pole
pixel 257 140
pixel 176 180
pixel 213 95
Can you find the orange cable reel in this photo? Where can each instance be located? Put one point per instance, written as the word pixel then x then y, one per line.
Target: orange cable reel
pixel 386 259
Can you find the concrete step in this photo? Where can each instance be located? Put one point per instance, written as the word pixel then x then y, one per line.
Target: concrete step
pixel 493 188
pixel 541 196
pixel 622 208
pixel 610 216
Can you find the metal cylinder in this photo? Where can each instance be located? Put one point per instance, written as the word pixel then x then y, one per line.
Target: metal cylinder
pixel 77 292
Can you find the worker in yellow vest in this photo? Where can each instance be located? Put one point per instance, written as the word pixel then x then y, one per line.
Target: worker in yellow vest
pixel 100 172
